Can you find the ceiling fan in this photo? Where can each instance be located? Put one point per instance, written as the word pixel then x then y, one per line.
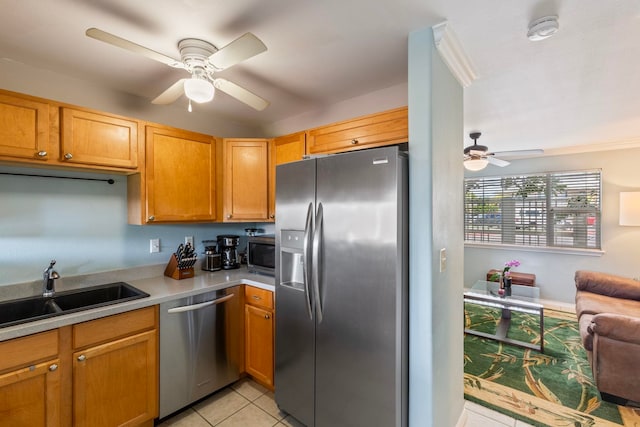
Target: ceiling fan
pixel 201 59
pixel 477 157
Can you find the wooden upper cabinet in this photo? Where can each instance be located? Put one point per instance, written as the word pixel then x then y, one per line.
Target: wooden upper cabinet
pixel 375 130
pixel 89 138
pixel 284 149
pixel 180 177
pixel 245 180
pixel 24 128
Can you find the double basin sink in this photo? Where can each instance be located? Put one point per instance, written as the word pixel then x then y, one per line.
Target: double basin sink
pixel 25 310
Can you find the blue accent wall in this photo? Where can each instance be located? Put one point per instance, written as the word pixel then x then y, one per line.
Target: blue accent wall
pixel 83 225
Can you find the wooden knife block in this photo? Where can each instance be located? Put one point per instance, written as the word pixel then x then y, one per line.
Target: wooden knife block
pixel 172 270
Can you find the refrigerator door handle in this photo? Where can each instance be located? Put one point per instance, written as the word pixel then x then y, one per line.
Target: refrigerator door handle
pixel 317 260
pixel 306 260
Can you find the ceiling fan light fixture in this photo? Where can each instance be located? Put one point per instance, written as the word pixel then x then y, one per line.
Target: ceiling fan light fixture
pixel 199 90
pixel 543 28
pixel 475 165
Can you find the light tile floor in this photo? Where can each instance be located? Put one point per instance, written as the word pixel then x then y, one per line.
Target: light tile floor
pixel 248 404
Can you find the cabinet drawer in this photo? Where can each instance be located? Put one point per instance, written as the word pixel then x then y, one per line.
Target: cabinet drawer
pixel 259 297
pixel 27 350
pixel 113 327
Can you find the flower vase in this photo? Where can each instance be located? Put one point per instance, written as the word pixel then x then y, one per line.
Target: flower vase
pixel 507 285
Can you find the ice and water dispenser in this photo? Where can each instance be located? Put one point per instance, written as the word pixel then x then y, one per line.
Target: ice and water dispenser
pixel 291 259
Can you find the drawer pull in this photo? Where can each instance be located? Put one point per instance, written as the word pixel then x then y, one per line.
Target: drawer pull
pixel 53 367
pixel 354 141
pixel 42 153
pixel 68 156
pixel 82 358
pixel 266 316
pixel 256 297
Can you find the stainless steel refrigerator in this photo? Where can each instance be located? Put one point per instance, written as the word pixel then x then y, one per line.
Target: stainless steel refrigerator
pixel 342 289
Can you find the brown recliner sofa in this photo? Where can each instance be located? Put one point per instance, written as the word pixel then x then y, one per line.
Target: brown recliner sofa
pixel 608 310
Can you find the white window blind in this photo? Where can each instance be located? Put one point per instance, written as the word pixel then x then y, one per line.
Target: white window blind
pixel 558 209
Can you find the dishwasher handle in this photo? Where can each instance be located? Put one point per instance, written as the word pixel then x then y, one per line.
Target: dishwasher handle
pixel 200 305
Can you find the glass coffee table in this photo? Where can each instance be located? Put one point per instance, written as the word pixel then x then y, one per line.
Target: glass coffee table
pixel 523 299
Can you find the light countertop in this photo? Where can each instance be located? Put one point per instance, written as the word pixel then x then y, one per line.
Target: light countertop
pixel 159 287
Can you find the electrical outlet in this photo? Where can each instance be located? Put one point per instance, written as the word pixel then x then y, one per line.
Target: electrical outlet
pixel 443 260
pixel 188 240
pixel 154 246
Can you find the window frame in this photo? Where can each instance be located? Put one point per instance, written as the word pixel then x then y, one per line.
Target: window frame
pixel 533 211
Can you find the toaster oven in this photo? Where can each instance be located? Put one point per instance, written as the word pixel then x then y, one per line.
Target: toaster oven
pixel 261 254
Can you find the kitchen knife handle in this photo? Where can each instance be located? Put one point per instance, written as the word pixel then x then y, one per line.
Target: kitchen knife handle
pixel 317 260
pixel 306 261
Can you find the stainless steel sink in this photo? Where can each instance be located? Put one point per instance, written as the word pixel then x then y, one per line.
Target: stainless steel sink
pixel 36 308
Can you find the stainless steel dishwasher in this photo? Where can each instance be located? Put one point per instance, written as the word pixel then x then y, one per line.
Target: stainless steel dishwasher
pixel 201 346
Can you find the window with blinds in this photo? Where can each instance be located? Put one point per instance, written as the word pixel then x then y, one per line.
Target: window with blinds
pixel 558 209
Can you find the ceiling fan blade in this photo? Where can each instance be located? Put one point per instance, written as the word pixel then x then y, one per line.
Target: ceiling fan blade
pixel 244 47
pixel 518 153
pixel 170 95
pixel 241 94
pixel 113 40
pixel 497 162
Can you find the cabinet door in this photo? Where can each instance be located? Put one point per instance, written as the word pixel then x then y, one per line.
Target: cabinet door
pixel 31 396
pixel 284 149
pixel 375 130
pixel 115 384
pixel 245 187
pixel 259 344
pixel 97 139
pixel 180 176
pixel 24 128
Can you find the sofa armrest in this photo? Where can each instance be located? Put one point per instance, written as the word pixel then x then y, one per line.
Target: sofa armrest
pixel 608 284
pixel 616 327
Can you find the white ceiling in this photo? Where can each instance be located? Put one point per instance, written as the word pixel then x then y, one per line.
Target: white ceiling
pixel 580 87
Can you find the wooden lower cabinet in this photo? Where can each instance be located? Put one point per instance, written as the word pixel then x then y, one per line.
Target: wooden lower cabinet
pixel 115 370
pixel 115 383
pixel 259 328
pixel 98 373
pixel 30 396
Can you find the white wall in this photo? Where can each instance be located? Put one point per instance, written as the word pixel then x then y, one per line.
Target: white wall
pixel 380 100
pixel 435 181
pixel 555 271
pixel 25 79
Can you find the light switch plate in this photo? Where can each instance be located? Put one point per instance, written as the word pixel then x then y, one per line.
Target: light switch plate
pixel 188 240
pixel 154 246
pixel 443 260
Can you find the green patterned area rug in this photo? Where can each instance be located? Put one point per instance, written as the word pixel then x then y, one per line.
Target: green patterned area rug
pixel 554 388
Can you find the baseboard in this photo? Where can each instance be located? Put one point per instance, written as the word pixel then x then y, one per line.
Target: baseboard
pixel 462 420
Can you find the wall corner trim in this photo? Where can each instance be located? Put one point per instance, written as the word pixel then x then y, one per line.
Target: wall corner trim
pixel 453 54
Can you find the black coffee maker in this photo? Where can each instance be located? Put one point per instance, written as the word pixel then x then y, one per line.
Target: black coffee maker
pixel 228 249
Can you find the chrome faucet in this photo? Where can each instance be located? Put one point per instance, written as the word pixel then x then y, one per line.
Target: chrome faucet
pixel 48 282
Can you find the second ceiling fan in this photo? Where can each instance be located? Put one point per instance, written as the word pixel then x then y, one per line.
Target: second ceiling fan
pixel 477 157
pixel 201 59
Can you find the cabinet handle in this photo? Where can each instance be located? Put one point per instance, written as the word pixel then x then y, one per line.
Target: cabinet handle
pixel 42 153
pixel 272 216
pixel 68 156
pixel 53 367
pixel 256 297
pixel 354 141
pixel 82 358
pixel 152 218
pixel 266 316
pixel 229 216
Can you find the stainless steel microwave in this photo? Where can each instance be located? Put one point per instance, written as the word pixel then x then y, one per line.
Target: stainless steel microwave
pixel 261 254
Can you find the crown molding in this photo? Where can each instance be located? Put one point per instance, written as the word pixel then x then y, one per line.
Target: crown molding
pixel 590 148
pixel 453 54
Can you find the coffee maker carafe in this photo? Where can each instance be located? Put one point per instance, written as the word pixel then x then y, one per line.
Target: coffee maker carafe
pixel 228 249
